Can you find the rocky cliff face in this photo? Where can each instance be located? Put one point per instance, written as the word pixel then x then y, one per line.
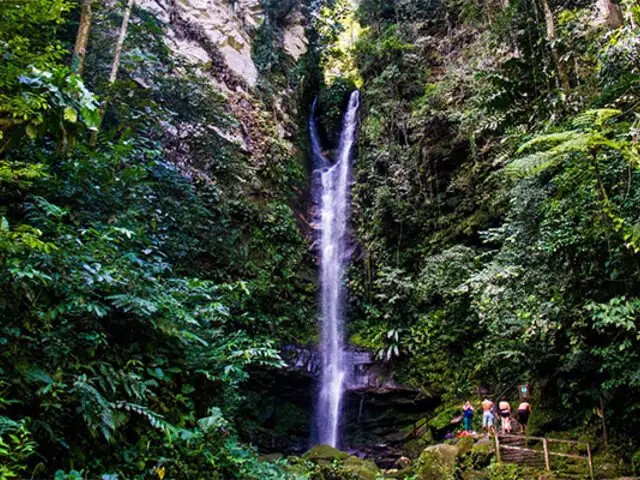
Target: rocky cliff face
pixel 213 31
pixel 218 36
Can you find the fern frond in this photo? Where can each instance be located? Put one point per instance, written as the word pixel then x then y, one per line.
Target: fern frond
pixel 156 420
pixel 551 138
pixel 595 117
pixel 130 303
pixel 534 163
pixel 95 409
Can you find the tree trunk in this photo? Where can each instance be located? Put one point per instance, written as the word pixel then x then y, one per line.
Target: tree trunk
pixel 82 38
pixel 605 436
pixel 115 65
pixel 551 38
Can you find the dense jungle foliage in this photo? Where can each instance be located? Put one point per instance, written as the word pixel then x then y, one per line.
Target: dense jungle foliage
pixel 142 275
pixel 496 201
pixel 148 263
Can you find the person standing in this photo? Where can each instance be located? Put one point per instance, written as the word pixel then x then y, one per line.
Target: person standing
pixel 467 416
pixel 487 415
pixel 524 412
pixel 505 415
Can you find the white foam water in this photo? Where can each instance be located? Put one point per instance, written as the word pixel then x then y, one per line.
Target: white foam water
pixel 335 210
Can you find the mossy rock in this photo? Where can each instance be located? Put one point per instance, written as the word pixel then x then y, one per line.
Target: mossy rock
pixel 474 475
pixel 322 454
pixel 444 417
pixel 465 445
pixel 438 462
pixel 480 455
pixel 481 448
pixel 607 468
pixel 297 466
pixel 362 469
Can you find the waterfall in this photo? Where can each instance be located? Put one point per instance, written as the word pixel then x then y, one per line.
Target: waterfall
pixel 334 186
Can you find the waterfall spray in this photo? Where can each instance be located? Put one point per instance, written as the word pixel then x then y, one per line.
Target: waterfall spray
pixel 334 216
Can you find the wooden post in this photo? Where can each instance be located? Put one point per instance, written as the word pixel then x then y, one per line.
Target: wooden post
pixel 590 460
pixel 497 446
pixel 545 446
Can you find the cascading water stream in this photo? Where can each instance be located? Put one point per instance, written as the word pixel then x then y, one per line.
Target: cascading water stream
pixel 334 215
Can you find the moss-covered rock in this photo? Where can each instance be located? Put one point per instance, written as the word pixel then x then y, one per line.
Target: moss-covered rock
pixel 362 469
pixel 323 454
pixel 607 465
pixel 480 456
pixel 438 463
pixel 465 444
pixel 474 475
pixel 443 419
pixel 334 464
pixel 297 466
pixel 481 448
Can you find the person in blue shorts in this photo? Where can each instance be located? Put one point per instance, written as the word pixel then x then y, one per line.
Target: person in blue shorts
pixel 487 415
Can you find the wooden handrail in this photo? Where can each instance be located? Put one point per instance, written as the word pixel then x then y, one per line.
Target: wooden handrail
pixel 555 440
pixel 573 442
pixel 526 437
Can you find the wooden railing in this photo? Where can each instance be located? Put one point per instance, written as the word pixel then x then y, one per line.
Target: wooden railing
pixel 545 449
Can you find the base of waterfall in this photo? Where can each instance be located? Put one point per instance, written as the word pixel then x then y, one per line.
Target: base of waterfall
pixel 378 413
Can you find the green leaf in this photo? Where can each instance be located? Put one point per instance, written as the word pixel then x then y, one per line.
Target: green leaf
pixel 90 117
pixel 32 131
pixel 70 115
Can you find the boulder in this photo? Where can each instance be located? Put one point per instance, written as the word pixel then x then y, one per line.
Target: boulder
pixel 324 454
pixel 473 475
pixel 361 469
pixel 480 456
pixel 297 467
pixel 465 444
pixel 334 462
pixel 438 462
